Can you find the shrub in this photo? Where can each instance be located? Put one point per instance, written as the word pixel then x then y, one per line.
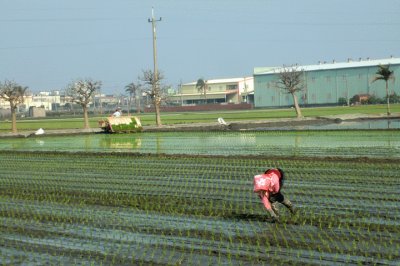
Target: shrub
pixel 342 101
pixel 374 100
pixel 394 98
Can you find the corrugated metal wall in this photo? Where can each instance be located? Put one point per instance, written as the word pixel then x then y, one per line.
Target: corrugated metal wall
pixel 324 86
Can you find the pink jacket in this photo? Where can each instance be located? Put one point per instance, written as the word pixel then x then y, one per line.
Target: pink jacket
pixel 267 184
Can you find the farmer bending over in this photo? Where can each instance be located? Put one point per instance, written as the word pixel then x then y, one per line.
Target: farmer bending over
pixel 268 187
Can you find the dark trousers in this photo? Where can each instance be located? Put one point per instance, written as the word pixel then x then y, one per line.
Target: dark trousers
pixel 278 197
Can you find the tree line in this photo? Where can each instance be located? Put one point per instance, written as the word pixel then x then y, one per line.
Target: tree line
pixel 81 92
pixel 290 80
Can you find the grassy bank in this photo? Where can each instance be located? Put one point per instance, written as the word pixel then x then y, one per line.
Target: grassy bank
pixel 200 117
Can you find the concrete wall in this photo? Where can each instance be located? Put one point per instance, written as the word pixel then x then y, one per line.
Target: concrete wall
pixel 37 112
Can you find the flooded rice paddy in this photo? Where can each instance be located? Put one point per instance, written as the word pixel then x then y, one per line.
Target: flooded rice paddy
pixel 374 143
pixel 186 199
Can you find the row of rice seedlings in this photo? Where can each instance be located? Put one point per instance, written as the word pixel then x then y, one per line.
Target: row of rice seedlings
pixel 206 206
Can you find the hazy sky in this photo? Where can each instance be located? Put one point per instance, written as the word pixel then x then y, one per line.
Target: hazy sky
pixel 45 44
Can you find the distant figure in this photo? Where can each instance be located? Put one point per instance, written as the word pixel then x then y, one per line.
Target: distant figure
pixel 268 187
pixel 117 112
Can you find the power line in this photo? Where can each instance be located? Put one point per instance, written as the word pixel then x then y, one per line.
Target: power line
pixel 72 44
pixel 29 20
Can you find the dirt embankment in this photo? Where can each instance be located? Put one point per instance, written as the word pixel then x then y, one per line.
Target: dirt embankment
pixel 268 123
pixel 229 126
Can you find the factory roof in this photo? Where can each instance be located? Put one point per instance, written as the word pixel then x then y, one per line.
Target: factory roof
pixel 328 66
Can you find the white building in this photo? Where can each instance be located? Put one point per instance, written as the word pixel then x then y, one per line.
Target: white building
pixel 46 100
pixel 229 90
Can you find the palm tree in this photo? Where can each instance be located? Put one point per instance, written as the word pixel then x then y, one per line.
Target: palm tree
pixel 202 87
pixel 134 91
pixel 384 73
pixel 14 94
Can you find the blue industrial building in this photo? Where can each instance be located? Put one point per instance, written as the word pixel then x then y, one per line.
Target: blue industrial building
pixel 325 83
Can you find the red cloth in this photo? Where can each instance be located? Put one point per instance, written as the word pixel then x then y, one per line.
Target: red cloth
pixel 267 184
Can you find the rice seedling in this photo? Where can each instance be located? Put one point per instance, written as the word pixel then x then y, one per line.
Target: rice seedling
pixel 101 207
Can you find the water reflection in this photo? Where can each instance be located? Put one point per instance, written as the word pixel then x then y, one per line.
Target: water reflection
pixel 121 143
pixel 381 143
pixel 40 142
pixel 367 124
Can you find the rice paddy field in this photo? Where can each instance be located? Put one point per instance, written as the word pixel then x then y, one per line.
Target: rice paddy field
pixel 186 199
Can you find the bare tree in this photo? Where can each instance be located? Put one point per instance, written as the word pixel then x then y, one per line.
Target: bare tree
pixel 155 93
pixel 134 90
pixel 14 94
pixel 290 80
pixel 384 73
pixel 80 92
pixel 202 87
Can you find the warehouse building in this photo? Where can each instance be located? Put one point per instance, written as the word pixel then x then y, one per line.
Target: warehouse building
pixel 326 83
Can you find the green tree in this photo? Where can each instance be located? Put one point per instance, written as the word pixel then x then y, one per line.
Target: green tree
pixel 80 92
pixel 202 87
pixel 14 94
pixel 290 80
pixel 134 90
pixel 384 73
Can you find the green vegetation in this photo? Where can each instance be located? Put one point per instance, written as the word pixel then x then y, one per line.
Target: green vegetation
pixel 186 198
pixel 201 117
pixel 132 127
pixel 121 124
pixel 334 143
pixel 133 209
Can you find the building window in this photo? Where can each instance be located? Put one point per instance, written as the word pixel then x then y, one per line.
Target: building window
pixel 328 79
pixel 232 87
pixel 272 99
pixel 313 79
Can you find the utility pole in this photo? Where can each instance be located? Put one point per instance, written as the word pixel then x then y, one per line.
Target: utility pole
pixel 153 22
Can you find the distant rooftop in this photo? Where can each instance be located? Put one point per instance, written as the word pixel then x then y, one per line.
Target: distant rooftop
pixel 333 65
pixel 218 81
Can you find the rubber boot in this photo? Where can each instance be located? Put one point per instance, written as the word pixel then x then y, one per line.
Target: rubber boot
pixel 275 208
pixel 275 218
pixel 289 205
